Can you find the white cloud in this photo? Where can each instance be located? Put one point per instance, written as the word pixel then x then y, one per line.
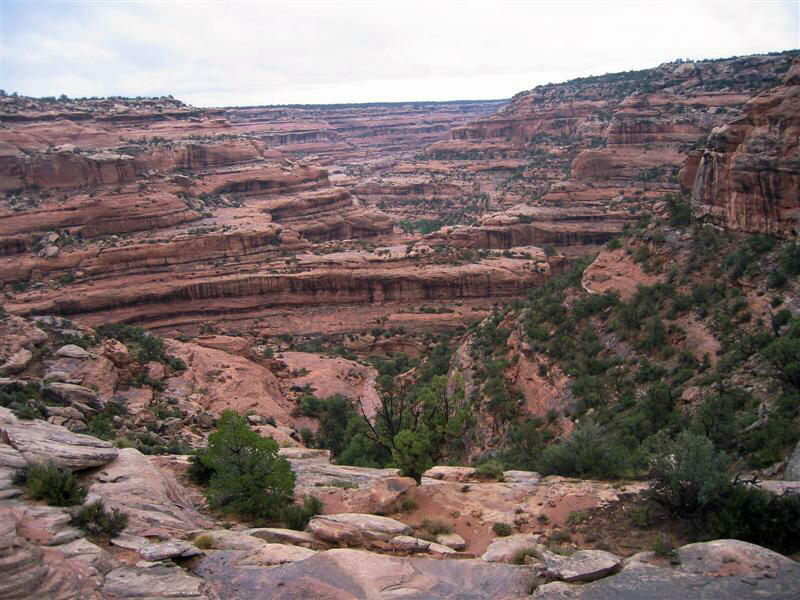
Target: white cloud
pixel 292 52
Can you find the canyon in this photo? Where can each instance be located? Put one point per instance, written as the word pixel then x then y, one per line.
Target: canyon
pixel 613 254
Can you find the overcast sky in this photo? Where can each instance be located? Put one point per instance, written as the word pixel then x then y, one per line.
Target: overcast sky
pixel 237 53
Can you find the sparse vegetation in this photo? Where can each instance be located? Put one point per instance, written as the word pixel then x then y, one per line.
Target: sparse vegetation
pixel 54 485
pixel 95 520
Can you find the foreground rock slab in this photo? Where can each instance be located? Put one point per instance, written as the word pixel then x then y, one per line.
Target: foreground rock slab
pixel 707 571
pixel 155 583
pixel 343 574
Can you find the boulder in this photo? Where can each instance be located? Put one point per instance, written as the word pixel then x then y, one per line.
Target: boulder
pixel 386 492
pixel 73 351
pixel 446 473
pixel 370 527
pixel 503 549
pixel 584 565
pixel 117 353
pixel 39 441
pixel 452 540
pixel 406 543
pixel 730 557
pixel 69 393
pixel 155 370
pixel 170 549
pixel 276 554
pixel 16 362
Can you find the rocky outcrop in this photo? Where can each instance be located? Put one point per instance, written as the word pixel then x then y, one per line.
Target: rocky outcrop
pixel 156 504
pixel 748 178
pixel 615 271
pixel 41 442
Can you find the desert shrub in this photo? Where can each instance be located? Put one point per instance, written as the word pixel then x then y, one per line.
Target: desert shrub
pixel 100 426
pixel 297 516
pixel 490 469
pixel 588 452
pixel 436 526
pixel 690 475
pixel 614 244
pixel 248 476
pixel 576 517
pixel 94 519
pixel 337 483
pixel 663 546
pixel 199 472
pixel 754 515
pixel 405 504
pixel 640 517
pixel 680 212
pixel 784 353
pixel 203 541
pixel 522 553
pixel 502 529
pixel 57 487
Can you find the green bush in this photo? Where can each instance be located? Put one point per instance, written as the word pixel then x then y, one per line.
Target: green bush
pixel 588 452
pixel 502 529
pixel 248 477
pixel 663 546
pixel 199 472
pixel 690 475
pixel 94 519
pixel 436 526
pixel 757 516
pixel 412 453
pixel 297 516
pixel 57 487
pixel 490 469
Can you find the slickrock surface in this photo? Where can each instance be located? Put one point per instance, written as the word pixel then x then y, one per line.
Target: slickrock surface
pixel 349 574
pixel 156 504
pixel 718 569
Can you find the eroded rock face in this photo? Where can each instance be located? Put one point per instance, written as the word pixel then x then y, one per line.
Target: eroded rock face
pixel 32 572
pixel 749 176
